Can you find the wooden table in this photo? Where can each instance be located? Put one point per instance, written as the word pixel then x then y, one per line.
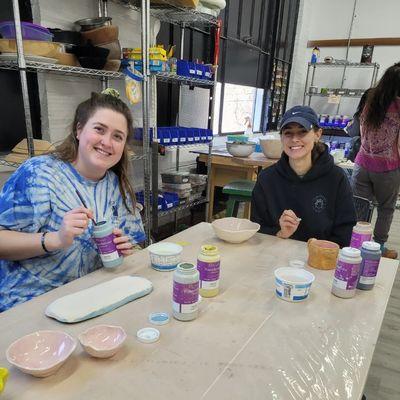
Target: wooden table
pixel 226 168
pixel 246 343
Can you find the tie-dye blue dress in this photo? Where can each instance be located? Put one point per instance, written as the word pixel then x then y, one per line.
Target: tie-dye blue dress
pixel 35 199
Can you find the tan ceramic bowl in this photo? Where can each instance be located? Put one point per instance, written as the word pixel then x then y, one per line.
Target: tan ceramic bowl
pixel 271 147
pixel 322 254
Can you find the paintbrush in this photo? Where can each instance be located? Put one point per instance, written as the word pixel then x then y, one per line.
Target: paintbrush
pixel 83 203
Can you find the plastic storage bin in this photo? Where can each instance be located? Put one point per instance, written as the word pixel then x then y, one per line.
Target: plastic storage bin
pixel 29 31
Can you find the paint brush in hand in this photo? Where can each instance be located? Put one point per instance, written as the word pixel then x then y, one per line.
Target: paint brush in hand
pixel 83 203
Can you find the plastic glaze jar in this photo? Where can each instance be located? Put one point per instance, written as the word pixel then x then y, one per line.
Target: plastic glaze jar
pixel 362 232
pixel 346 273
pixel 185 295
pixel 103 236
pixel 371 255
pixel 208 264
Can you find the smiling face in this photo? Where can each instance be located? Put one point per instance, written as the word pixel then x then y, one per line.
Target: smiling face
pixel 298 142
pixel 101 143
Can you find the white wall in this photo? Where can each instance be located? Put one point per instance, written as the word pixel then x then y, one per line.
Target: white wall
pixel 326 19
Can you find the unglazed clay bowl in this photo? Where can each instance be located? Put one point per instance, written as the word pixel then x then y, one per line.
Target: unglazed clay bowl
pixel 234 230
pixel 41 353
pixel 102 341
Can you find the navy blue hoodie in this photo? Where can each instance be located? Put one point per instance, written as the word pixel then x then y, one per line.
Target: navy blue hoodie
pixel 322 199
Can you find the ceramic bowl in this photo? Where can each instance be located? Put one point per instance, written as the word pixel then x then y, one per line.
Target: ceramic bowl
pixel 234 230
pixel 322 254
pixel 271 146
pixel 102 341
pixel 240 149
pixel 41 353
pixel 165 256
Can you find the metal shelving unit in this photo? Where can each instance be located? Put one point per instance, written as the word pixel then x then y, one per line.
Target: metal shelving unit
pixel 183 17
pixel 337 64
pixel 172 14
pixel 165 12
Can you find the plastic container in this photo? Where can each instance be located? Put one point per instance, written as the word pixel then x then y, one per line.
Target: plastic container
pixel 185 295
pixel 165 256
pixel 208 264
pixel 182 135
pixel 347 272
pixel 293 284
pixel 104 237
pixel 29 31
pixel 371 255
pixel 196 135
pixel 174 136
pixel 362 232
pixel 203 135
pixel 175 177
pixel 182 68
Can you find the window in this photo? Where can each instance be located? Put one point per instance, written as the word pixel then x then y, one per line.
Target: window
pixel 242 107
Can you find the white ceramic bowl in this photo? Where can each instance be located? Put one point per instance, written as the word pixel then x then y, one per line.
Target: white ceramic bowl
pixel 165 256
pixel 41 353
pixel 234 230
pixel 271 146
pixel 293 284
pixel 240 149
pixel 102 341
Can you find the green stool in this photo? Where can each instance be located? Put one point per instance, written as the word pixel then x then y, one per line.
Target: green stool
pixel 238 191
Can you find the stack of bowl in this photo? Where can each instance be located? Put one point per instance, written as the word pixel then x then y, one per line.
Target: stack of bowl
pixel 100 33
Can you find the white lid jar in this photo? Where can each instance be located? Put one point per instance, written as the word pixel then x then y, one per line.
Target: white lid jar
pixel 347 272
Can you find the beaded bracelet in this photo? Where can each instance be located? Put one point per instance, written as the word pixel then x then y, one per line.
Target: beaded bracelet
pixel 42 243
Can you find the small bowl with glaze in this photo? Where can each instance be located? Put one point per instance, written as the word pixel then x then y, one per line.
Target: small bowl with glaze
pixel 102 341
pixel 41 353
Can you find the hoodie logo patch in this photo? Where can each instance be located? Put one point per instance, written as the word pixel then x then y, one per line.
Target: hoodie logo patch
pixel 319 203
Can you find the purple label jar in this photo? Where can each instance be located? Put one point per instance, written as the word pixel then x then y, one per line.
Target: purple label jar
pixel 346 273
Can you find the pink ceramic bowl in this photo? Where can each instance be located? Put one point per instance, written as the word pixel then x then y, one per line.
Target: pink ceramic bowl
pixel 41 353
pixel 102 341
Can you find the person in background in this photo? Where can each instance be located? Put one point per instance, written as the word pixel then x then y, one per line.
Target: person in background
pixel 376 173
pixel 45 231
pixel 304 195
pixel 353 128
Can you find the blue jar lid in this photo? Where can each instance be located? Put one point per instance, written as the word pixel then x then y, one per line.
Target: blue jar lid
pixel 159 318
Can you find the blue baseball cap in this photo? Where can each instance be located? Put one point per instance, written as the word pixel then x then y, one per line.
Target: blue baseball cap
pixel 303 115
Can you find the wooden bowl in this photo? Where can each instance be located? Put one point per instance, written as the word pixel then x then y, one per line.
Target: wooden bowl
pixel 322 254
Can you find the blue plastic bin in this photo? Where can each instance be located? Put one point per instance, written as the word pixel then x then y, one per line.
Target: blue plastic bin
pixel 182 68
pixel 174 135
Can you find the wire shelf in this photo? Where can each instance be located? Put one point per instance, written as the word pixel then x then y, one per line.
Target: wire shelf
pixel 9 164
pixel 173 78
pixel 173 14
pixel 186 206
pixel 332 94
pixel 32 66
pixel 344 63
pixel 185 146
pixel 96 73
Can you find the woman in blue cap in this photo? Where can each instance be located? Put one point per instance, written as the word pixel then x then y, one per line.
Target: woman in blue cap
pixel 304 195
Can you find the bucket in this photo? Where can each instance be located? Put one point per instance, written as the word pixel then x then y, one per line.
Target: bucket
pixel 293 284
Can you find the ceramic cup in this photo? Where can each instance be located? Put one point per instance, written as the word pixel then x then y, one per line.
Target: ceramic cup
pixel 322 254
